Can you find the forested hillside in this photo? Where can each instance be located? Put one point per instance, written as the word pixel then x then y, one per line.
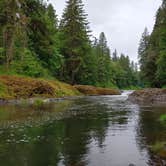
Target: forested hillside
pixel 152 52
pixel 33 42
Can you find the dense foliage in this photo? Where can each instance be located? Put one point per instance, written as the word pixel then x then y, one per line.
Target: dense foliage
pixel 152 52
pixel 34 42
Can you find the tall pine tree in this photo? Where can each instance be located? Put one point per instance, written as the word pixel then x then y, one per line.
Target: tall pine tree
pixel 153 61
pixel 75 45
pixel 142 55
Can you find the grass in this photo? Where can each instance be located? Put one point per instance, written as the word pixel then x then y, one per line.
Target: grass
pixel 164 87
pixel 38 103
pixel 133 88
pixel 163 118
pixel 157 147
pixel 24 102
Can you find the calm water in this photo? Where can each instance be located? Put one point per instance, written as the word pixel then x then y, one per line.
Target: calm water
pixel 88 131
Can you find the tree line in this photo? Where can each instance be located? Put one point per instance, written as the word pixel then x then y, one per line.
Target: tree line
pixel 35 43
pixel 152 52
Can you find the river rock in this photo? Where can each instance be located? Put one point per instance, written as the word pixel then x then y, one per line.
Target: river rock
pixel 132 165
pixel 148 96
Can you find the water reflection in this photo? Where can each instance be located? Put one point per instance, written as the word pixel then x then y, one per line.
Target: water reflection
pixel 150 130
pixel 90 131
pixel 52 141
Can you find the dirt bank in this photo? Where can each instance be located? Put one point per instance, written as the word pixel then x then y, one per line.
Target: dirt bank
pixel 149 95
pixel 18 87
pixel 14 87
pixel 91 90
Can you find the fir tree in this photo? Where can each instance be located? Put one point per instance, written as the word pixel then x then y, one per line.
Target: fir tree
pixel 115 55
pixel 74 38
pixel 142 54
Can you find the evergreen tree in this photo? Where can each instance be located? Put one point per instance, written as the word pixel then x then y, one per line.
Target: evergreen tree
pixel 154 61
pixel 161 62
pixel 115 56
pixel 75 45
pixel 142 55
pixel 33 43
pixel 103 62
pixel 8 25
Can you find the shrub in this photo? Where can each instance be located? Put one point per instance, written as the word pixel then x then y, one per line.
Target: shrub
pixel 28 66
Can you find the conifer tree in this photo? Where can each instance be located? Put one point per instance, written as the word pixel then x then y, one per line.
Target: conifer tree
pixel 115 55
pixel 104 61
pixel 9 9
pixel 154 69
pixel 161 61
pixel 74 38
pixel 142 54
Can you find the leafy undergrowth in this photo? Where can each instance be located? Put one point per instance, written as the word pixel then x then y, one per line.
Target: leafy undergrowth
pixel 91 90
pixel 133 88
pixel 16 87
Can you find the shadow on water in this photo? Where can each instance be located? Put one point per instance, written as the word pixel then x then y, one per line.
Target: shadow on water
pixel 88 131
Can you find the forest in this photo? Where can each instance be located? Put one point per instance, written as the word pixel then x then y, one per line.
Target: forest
pixel 68 98
pixel 33 42
pixel 152 52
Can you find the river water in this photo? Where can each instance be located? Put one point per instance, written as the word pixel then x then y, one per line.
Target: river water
pixel 85 131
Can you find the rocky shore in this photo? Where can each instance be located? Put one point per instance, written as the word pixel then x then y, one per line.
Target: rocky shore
pixel 148 96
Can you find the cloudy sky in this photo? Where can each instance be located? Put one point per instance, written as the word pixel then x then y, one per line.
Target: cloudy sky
pixel 123 21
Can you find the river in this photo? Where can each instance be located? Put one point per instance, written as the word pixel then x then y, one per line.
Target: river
pixel 84 131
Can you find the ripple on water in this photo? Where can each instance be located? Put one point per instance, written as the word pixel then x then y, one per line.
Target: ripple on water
pixel 90 131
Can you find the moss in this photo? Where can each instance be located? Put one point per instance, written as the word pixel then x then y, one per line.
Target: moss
pixel 21 87
pixel 3 92
pixel 18 87
pixel 2 89
pixel 62 89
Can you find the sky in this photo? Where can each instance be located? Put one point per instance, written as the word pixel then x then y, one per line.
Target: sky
pixel 122 21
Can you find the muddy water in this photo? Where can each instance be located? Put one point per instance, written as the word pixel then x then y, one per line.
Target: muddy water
pixel 87 131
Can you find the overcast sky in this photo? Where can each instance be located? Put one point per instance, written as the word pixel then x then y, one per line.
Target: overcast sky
pixel 123 21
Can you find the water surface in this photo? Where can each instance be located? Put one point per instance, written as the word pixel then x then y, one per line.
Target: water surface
pixel 86 131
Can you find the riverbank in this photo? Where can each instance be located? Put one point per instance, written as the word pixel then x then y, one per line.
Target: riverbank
pixel 152 95
pixel 19 87
pixel 91 90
